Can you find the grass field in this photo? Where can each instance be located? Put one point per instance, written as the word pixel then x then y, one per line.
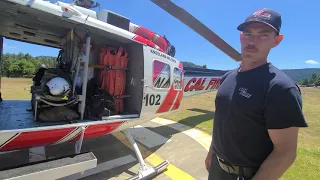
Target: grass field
pixel 197 112
pixel 16 88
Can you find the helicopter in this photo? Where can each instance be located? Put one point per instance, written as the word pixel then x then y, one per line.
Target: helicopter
pixel 110 75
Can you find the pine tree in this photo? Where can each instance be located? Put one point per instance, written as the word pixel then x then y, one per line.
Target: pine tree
pixel 305 82
pixel 317 81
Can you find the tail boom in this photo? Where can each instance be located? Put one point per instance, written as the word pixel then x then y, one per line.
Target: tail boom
pixel 199 80
pixel 195 85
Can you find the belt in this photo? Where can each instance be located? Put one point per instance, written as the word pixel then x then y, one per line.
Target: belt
pixel 238 170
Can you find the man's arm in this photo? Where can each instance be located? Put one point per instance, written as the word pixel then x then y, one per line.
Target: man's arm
pixel 284 116
pixel 282 156
pixel 209 156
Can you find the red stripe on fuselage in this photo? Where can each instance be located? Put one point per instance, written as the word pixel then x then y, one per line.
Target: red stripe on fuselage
pixel 100 129
pixel 36 138
pixel 47 137
pixel 168 101
pixel 178 100
pixel 147 42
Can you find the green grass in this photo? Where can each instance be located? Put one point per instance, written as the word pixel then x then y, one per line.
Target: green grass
pixel 16 88
pixel 198 112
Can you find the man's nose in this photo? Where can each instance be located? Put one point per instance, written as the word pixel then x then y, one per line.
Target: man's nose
pixel 251 43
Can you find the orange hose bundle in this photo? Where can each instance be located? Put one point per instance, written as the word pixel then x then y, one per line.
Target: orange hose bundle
pixel 101 58
pixel 124 63
pixel 120 79
pixel 113 80
pixel 107 75
pixel 113 77
pixel 118 75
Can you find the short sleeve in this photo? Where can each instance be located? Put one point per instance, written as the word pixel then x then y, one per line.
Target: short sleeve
pixel 284 109
pixel 224 77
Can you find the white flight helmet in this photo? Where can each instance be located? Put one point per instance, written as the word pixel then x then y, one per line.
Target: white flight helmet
pixel 58 86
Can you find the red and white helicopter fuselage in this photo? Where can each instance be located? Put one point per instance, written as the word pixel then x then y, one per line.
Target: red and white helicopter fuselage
pixel 155 82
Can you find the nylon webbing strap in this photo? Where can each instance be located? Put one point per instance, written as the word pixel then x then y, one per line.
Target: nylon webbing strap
pixel 232 169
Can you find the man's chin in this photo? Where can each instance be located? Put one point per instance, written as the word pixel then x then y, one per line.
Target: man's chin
pixel 247 56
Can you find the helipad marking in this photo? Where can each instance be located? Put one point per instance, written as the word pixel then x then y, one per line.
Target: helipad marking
pixel 202 138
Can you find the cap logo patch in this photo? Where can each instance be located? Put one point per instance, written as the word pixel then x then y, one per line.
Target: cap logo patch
pixel 257 13
pixel 262 14
pixel 267 15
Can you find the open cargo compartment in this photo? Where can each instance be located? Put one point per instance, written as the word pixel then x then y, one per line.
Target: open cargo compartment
pixel 29 25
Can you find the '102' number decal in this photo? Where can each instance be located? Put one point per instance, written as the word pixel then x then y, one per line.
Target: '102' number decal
pixel 152 99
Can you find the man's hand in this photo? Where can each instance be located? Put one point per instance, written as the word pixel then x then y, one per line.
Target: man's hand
pixel 208 160
pixel 282 156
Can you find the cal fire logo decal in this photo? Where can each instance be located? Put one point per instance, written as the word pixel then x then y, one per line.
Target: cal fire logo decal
pixel 199 84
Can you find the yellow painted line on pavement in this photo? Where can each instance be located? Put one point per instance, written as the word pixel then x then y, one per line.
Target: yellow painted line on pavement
pixel 172 172
pixel 202 138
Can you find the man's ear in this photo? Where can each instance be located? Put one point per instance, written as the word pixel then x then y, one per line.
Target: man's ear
pixel 241 35
pixel 278 39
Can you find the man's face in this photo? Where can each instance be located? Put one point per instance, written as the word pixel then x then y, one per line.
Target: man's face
pixel 257 39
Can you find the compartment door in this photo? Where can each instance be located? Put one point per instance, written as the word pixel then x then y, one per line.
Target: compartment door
pixel 158 92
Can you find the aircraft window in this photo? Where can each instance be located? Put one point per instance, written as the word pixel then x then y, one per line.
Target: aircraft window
pixel 177 78
pixel 161 74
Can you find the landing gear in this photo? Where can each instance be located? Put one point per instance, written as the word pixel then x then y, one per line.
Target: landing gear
pixel 78 143
pixel 145 171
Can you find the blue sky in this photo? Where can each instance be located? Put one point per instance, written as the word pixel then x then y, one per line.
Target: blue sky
pixel 300 47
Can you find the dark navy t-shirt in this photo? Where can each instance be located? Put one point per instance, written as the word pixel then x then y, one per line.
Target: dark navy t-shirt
pixel 247 104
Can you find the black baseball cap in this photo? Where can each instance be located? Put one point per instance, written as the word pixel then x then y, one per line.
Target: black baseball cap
pixel 266 16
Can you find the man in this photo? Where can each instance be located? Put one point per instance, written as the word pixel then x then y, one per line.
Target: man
pixel 39 74
pixel 258 109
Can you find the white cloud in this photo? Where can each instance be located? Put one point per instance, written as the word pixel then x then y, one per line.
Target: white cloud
pixel 311 62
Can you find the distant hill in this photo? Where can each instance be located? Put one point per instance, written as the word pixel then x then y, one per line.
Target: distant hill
pixel 295 74
pixel 300 74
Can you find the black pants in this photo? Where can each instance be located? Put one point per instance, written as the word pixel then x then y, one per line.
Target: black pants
pixel 217 173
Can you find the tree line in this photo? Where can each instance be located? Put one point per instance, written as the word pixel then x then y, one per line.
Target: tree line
pixel 23 65
pixel 313 81
pixel 191 64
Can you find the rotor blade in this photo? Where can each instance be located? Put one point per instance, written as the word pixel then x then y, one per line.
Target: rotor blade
pixel 199 27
